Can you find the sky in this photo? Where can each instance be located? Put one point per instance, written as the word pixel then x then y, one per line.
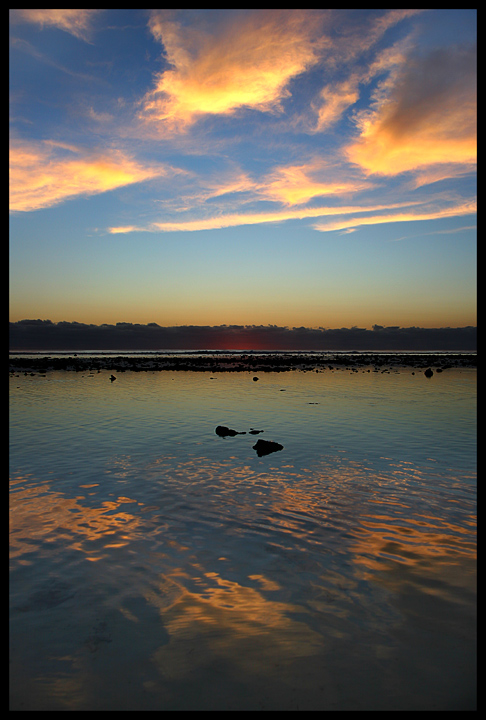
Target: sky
pixel 291 168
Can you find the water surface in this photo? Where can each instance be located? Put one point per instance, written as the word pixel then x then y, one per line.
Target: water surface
pixel 157 566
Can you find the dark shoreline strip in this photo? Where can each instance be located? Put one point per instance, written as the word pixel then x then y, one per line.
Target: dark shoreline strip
pixel 243 363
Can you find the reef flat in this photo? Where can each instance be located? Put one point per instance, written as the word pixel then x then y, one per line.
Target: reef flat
pixel 241 362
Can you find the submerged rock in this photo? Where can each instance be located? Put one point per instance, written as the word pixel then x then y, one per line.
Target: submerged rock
pixel 255 432
pixel 265 447
pixel 223 431
pixel 429 372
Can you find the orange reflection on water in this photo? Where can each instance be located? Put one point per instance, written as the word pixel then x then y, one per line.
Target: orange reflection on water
pixel 411 540
pixel 234 623
pixel 419 557
pixel 41 515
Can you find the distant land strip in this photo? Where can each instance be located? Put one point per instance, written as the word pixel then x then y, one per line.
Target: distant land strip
pixel 47 336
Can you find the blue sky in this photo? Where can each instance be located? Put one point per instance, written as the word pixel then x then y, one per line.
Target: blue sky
pixel 203 167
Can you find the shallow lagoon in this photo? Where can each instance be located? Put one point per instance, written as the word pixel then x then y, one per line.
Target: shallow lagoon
pixel 157 566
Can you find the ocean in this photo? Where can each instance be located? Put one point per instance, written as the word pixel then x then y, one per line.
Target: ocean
pixel 156 564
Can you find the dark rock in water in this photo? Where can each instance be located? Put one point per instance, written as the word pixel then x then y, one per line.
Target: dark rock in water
pixel 429 372
pixel 265 447
pixel 255 379
pixel 255 432
pixel 223 431
pixel 112 377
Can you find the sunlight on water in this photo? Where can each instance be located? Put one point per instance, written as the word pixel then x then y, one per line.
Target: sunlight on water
pixel 155 565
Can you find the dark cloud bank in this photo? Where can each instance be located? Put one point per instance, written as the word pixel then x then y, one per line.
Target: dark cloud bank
pixel 44 335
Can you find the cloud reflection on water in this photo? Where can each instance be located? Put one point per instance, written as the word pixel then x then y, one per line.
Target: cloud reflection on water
pixel 199 576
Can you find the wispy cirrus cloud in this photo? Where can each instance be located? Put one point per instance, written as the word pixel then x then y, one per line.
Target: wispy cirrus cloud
pixel 256 218
pixel 298 184
pixel 44 174
pixel 348 218
pixel 468 207
pixel 334 101
pixel 75 22
pixel 336 98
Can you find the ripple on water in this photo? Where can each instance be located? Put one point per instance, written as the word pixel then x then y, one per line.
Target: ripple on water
pixel 155 565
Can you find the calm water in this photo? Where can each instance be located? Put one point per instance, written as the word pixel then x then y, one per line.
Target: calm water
pixel 157 566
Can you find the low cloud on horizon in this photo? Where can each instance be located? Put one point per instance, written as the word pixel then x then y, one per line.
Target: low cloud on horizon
pixel 45 335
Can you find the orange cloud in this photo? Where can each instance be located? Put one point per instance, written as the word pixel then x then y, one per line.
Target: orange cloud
pixel 428 118
pixel 295 184
pixel 336 100
pixel 287 185
pixel 41 177
pixel 246 61
pixel 442 171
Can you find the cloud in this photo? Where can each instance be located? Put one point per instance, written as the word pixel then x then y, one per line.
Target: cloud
pixel 442 171
pixel 237 219
pixel 350 49
pixel 466 208
pixel 336 99
pixel 75 22
pixel 224 183
pixel 387 213
pixel 427 118
pixel 289 185
pixel 245 60
pixel 297 184
pixel 44 174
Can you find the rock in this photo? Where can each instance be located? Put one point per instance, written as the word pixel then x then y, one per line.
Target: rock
pixel 255 432
pixel 265 447
pixel 112 377
pixel 223 431
pixel 429 372
pixel 255 379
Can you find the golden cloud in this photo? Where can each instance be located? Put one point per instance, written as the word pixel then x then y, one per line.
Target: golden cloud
pixel 335 101
pixel 246 61
pixel 288 185
pixel 442 171
pixel 296 184
pixel 428 118
pixel 336 98
pixel 41 177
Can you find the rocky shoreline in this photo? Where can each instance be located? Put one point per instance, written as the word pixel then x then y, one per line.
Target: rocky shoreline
pixel 281 362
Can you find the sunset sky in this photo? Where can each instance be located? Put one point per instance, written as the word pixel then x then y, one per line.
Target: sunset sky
pixel 310 168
